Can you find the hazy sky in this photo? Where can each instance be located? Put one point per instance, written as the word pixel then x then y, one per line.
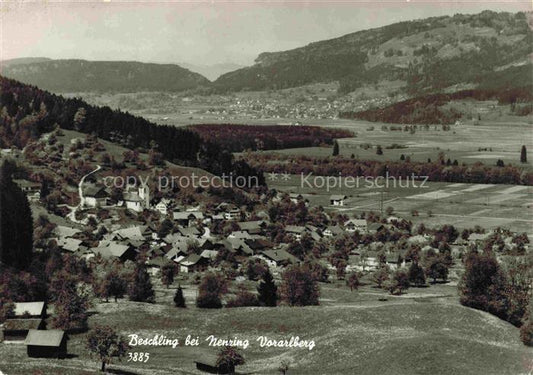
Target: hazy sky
pixel 200 32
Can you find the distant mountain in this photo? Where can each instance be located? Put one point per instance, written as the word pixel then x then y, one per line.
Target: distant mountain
pixel 24 60
pixel 214 71
pixel 102 76
pixel 427 55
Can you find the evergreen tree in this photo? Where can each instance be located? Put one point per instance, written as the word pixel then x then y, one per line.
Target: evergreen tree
pixel 268 291
pixel 141 288
pixel 179 300
pixel 416 274
pixel 335 149
pixel 523 155
pixel 16 223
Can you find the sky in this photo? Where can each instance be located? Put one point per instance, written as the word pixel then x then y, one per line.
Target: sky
pixel 200 32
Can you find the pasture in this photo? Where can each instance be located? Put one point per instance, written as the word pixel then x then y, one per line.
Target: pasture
pixel 423 331
pixel 437 203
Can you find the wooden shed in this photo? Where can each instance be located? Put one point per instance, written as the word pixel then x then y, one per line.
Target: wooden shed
pixel 46 344
pixel 17 329
pixel 208 363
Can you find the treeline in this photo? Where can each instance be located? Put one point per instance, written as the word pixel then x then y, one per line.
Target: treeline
pixel 27 112
pixel 429 109
pixel 237 138
pixel 439 170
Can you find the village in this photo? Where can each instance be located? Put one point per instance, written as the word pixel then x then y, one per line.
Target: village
pixel 179 239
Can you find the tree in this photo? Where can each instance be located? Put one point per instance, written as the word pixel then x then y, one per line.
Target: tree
pixel 167 274
pixel 526 331
pixel 179 300
pixel 114 285
pixel 335 148
pixel 141 287
pixel 379 150
pixel 400 282
pixel 211 288
pixel 268 291
pixel 71 310
pixel 380 276
pixel 341 269
pixel 228 357
pixel 16 223
pixel 105 343
pixel 283 367
pixel 483 284
pixel 353 281
pixel 523 154
pixel 437 269
pixel 416 274
pixel 298 287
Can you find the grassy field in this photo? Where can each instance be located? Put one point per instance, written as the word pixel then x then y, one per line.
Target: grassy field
pixel 462 143
pixel 422 332
pixel 463 205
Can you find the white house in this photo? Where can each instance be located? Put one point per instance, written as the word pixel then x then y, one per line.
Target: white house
pixel 337 200
pixel 355 225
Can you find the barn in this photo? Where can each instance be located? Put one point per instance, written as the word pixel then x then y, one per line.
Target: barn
pixel 46 344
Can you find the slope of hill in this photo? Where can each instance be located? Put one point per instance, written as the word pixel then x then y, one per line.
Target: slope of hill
pixel 108 76
pixel 214 71
pixel 428 55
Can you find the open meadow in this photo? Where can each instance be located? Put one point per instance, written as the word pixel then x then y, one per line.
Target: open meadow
pixel 360 332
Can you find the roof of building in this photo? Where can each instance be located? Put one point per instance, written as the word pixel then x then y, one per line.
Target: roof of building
pixel 337 197
pixel 69 244
pixel 51 337
pixel 94 191
pixel 33 308
pixel 22 324
pixel 185 215
pixel 356 222
pixel 280 255
pixel 191 260
pixel 335 229
pixel 294 229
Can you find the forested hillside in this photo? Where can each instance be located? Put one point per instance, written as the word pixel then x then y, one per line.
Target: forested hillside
pixel 27 112
pixel 427 55
pixel 102 76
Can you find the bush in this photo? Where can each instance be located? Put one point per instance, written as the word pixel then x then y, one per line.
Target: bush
pixel 244 298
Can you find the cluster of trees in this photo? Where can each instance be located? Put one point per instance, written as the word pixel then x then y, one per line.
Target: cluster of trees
pixel 502 290
pixel 238 138
pixel 299 287
pixel 16 223
pixel 429 109
pixel 438 170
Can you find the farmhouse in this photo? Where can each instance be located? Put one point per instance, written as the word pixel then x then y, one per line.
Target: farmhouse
pixel 163 206
pixel 252 227
pixel 295 231
pixel 116 250
pixel 234 214
pixel 337 200
pixel 32 189
pixel 46 343
pixel 187 218
pixel 95 196
pixel 355 225
pixel 193 263
pixel 295 198
pixel 278 257
pixel 333 231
